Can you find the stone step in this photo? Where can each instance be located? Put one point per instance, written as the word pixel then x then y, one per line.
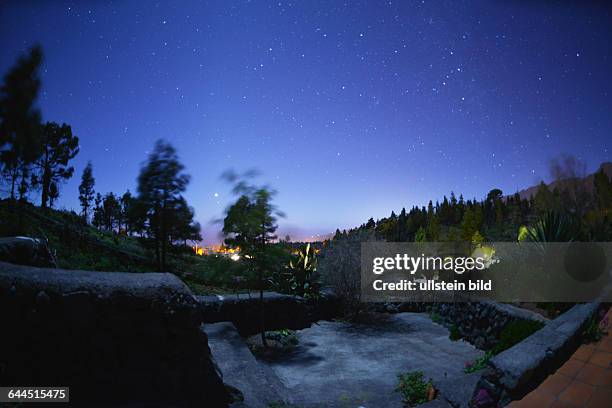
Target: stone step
pixel 258 383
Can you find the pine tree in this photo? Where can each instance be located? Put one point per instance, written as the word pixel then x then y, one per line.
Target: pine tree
pixel 20 121
pixel 86 190
pixel 53 193
pixel 160 185
pixel 98 212
pixel 111 210
pixel 59 146
pixel 250 224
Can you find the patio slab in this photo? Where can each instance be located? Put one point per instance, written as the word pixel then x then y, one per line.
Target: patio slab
pixel 345 365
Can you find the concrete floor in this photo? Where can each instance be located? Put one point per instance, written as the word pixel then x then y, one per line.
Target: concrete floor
pixel 344 365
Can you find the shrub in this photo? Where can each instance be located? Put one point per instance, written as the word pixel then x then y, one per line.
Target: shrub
pixel 478 364
pixel 435 317
pixel 301 276
pixel 515 332
pixel 552 226
pixel 454 334
pixel 340 268
pixel 414 389
pixel 594 330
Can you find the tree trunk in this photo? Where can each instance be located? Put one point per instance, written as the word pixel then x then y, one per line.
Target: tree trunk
pixel 264 342
pixel 13 173
pixel 45 195
pixel 157 254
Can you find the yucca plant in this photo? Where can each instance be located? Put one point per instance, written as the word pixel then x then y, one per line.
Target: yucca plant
pixel 551 227
pixel 303 275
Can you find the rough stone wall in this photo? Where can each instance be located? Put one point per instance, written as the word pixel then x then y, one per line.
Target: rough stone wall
pixel 245 311
pixel 480 323
pixel 518 370
pixel 280 311
pixel 111 337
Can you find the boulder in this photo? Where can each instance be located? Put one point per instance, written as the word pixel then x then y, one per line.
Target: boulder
pixel 113 338
pixel 26 251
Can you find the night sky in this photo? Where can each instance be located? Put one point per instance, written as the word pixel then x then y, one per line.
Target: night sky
pixel 348 109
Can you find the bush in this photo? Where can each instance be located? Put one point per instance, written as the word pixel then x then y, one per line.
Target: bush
pixel 435 317
pixel 594 330
pixel 414 389
pixel 454 334
pixel 515 332
pixel 478 364
pixel 219 270
pixel 299 276
pixel 340 268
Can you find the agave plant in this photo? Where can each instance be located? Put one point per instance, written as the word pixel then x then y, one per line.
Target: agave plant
pixel 551 227
pixel 303 274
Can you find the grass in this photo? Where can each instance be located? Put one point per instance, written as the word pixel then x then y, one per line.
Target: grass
pixel 515 332
pixel 77 245
pixel 478 364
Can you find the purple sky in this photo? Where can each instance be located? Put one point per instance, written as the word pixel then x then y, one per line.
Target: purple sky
pixel 348 109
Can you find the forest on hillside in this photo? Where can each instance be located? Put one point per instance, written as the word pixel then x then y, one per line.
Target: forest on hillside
pixel 154 228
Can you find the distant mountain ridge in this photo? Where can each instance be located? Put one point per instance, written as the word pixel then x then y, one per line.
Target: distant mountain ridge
pixel 587 181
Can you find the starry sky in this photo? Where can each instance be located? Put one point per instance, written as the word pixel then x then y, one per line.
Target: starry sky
pixel 349 109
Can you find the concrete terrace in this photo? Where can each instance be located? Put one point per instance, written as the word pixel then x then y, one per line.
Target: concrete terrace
pixel 340 364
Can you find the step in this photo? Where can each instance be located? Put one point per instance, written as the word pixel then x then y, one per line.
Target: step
pixel 258 383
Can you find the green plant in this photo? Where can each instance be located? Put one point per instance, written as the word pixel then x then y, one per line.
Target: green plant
pixel 285 336
pixel 414 389
pixel 515 332
pixel 593 331
pixel 551 227
pixel 454 334
pixel 479 363
pixel 435 317
pixel 302 273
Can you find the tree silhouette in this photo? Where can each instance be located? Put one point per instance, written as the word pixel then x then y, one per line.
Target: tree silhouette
pixel 53 193
pixel 160 185
pixel 86 190
pixel 59 146
pixel 20 120
pixel 250 224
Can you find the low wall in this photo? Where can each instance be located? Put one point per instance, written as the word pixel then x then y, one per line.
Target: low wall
pixel 480 323
pixel 280 311
pixel 111 337
pixel 518 370
pixel 245 311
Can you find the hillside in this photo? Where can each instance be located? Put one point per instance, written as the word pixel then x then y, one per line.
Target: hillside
pixel 77 245
pixel 586 182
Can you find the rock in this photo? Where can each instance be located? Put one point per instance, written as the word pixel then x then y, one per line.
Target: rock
pixel 245 311
pixel 26 251
pixel 259 386
pixel 114 338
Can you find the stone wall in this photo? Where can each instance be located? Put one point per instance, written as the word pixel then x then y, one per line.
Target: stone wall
pixel 480 323
pixel 245 311
pixel 518 370
pixel 111 337
pixel 280 311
